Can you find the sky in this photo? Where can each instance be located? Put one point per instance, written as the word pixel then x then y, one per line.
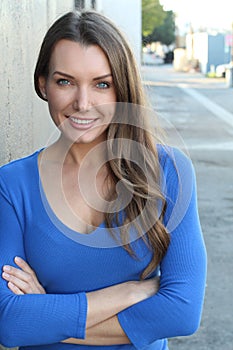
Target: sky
pixel 216 14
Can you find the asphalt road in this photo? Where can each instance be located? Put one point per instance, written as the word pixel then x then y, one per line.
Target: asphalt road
pixel 197 113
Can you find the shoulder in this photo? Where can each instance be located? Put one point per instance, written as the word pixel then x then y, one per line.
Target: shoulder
pixel 173 159
pixel 176 167
pixel 17 175
pixel 20 165
pixel 177 173
pixel 178 183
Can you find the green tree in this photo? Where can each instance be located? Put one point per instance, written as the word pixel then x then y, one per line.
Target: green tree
pixel 165 33
pixel 153 16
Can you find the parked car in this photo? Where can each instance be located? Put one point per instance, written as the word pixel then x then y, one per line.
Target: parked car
pixel 152 59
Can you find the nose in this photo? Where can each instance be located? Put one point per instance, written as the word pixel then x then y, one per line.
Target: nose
pixel 81 100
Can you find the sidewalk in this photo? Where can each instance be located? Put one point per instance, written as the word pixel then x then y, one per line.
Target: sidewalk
pixel 213 88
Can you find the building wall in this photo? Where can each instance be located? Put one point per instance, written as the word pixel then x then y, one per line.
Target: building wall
pixel 217 54
pixel 197 49
pixel 25 123
pixel 127 15
pixel 208 49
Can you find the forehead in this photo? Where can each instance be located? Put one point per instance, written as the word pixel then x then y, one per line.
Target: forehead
pixel 72 56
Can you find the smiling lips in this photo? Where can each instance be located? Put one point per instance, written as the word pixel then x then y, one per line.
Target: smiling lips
pixel 82 121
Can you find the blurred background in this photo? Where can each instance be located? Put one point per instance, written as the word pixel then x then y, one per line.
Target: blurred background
pixel 194 34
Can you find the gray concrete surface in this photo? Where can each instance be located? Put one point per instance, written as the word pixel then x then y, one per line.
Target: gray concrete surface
pixel 209 141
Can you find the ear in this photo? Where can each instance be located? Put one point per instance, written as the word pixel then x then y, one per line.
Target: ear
pixel 42 86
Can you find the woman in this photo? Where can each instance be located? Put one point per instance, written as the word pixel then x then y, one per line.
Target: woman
pixel 100 238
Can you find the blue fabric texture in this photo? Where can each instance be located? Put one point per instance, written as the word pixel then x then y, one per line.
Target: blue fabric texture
pixel 68 267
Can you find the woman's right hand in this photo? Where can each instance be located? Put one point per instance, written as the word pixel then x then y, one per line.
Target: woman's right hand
pixel 107 302
pixel 103 327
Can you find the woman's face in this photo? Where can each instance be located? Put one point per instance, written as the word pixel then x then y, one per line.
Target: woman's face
pixel 80 91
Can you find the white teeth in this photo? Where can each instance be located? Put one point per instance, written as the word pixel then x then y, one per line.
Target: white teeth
pixel 81 121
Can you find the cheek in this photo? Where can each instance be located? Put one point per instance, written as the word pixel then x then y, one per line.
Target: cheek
pixel 107 110
pixel 56 101
pixel 113 96
pixel 108 105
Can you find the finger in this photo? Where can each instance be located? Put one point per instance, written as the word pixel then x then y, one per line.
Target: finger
pixel 27 287
pixel 14 289
pixel 40 289
pixel 20 274
pixel 27 282
pixel 23 286
pixel 23 265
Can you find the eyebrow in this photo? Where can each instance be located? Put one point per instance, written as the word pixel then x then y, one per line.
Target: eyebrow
pixel 71 77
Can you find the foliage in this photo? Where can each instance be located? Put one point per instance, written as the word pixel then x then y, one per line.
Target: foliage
pixel 166 32
pixel 153 16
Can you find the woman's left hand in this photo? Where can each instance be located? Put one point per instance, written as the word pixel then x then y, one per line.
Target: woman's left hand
pixel 22 280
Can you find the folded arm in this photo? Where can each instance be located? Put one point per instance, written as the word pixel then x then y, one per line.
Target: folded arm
pixel 108 332
pixel 102 325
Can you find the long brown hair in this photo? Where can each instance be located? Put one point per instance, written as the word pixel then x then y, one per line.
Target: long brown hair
pixel 142 178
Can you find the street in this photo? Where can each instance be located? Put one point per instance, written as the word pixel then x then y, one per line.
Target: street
pixel 197 112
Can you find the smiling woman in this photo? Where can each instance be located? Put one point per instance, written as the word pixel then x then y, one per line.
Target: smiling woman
pixel 75 90
pixel 100 238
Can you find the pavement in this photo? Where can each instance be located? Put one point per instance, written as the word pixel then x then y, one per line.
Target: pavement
pixel 197 113
pixel 214 89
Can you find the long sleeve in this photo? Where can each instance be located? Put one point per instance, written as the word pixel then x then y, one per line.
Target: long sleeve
pixel 32 319
pixel 176 309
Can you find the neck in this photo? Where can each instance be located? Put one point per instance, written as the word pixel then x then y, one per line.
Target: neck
pixel 90 154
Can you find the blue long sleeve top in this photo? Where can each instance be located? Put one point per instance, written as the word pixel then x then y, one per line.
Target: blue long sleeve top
pixel 69 264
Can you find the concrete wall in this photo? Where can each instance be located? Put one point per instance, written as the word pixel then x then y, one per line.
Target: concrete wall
pixel 25 122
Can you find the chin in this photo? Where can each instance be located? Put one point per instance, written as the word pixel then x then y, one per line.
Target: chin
pixel 88 139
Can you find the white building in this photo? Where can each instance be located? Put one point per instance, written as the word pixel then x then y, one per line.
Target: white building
pixel 125 13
